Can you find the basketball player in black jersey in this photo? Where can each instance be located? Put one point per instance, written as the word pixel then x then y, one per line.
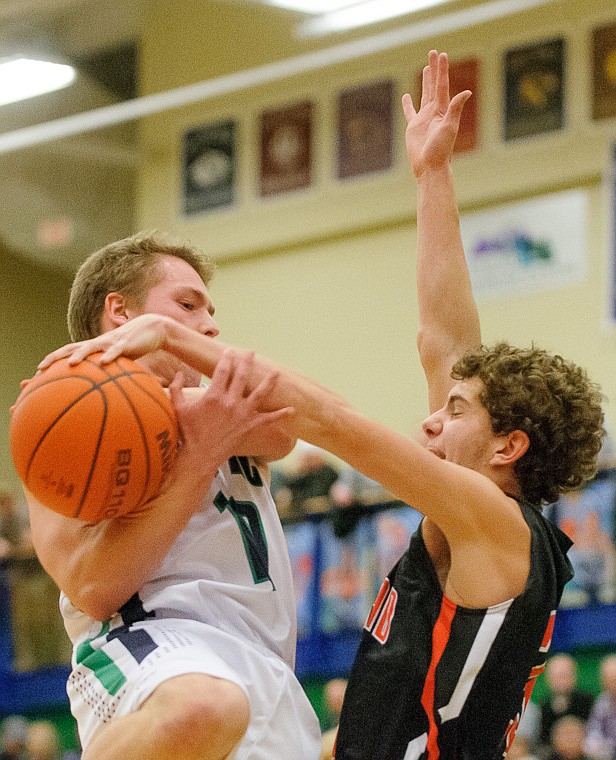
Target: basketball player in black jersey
pixel 462 625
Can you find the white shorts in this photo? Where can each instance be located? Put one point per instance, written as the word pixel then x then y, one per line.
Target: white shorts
pixel 116 672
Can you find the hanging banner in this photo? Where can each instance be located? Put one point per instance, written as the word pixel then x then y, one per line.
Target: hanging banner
pixel 533 245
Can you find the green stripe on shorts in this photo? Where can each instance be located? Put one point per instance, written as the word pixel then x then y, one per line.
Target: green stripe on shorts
pixel 103 667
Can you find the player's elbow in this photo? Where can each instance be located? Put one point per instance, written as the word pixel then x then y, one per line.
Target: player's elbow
pixel 96 602
pixel 268 446
pixel 279 447
pixel 428 347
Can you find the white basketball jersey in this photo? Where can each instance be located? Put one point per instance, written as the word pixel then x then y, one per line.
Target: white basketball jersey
pixel 229 568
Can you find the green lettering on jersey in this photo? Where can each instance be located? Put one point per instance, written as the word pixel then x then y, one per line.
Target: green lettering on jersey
pixel 248 519
pixel 242 466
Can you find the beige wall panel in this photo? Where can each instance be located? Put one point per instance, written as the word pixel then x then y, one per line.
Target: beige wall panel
pixel 343 312
pixel 324 279
pixel 32 323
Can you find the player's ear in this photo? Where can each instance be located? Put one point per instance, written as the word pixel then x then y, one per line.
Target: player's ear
pixel 114 313
pixel 510 447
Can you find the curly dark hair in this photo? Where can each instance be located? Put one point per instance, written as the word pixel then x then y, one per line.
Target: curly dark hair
pixel 553 401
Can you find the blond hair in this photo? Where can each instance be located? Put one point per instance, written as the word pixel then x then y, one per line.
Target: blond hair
pixel 130 267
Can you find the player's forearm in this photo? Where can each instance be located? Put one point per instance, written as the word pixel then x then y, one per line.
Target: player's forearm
pixel 315 405
pixel 100 566
pixel 195 349
pixel 448 319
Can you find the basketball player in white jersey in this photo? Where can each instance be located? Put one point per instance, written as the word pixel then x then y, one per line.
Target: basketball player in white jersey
pixel 474 596
pixel 182 616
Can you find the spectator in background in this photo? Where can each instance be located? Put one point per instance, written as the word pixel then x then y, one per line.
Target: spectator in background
pixel 395 528
pixel 594 560
pixel 353 487
pixel 333 696
pixel 309 486
pixel 529 729
pixel 601 728
pixel 42 742
pixel 568 739
pixel 14 530
pixel 38 633
pixel 587 517
pixel 520 749
pixel 350 494
pixel 564 698
pixel 278 488
pixel 14 732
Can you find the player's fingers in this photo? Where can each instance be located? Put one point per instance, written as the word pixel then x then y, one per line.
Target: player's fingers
pixel 178 399
pixel 442 80
pixel 278 416
pixel 59 353
pixel 243 364
pixel 176 394
pixel 457 103
pixel 222 373
pixel 425 86
pixel 81 353
pixel 22 385
pixel 287 411
pixel 176 389
pixel 265 388
pixel 407 107
pixel 110 353
pixel 431 75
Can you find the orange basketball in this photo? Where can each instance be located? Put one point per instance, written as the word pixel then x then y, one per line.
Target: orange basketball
pixel 93 441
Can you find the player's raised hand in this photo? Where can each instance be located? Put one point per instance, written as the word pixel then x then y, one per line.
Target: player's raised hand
pixel 431 131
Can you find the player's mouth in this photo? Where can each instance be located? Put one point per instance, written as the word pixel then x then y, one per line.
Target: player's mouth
pixel 436 453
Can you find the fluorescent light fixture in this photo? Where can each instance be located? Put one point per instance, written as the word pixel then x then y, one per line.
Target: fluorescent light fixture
pixel 22 78
pixel 361 14
pixel 312 6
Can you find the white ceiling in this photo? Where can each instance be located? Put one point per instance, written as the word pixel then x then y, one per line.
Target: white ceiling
pixel 87 180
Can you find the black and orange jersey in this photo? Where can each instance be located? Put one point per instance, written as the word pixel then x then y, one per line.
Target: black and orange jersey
pixel 436 681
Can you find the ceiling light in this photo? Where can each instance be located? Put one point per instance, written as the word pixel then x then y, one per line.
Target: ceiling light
pixel 312 6
pixel 22 78
pixel 360 14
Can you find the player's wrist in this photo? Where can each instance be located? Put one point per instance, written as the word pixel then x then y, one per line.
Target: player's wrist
pixel 171 333
pixel 429 172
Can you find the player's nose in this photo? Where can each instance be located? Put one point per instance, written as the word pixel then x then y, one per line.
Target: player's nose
pixel 208 326
pixel 432 425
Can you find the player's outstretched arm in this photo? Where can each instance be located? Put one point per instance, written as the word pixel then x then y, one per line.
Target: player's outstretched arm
pixel 152 332
pixel 406 469
pixel 100 566
pixel 470 509
pixel 448 319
